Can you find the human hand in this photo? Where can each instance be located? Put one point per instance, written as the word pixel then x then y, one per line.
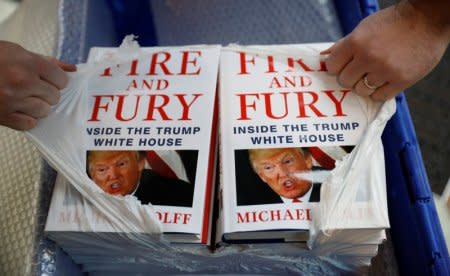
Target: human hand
pixel 29 85
pixel 391 49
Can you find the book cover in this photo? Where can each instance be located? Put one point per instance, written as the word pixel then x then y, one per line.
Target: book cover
pixel 150 132
pixel 284 123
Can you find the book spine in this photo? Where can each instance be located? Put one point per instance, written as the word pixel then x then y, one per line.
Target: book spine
pixel 209 192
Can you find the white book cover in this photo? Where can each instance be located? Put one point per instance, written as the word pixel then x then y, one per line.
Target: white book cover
pixel 284 123
pixel 70 212
pixel 149 131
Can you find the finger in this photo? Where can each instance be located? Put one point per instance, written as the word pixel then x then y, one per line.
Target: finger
pixel 351 74
pixel 20 121
pixel 328 51
pixel 34 107
pixel 340 56
pixel 331 48
pixel 37 88
pixel 32 88
pixel 68 67
pixel 46 92
pixel 367 88
pixel 386 92
pixel 51 73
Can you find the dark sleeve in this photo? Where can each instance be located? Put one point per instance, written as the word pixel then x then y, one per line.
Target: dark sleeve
pixel 160 190
pixel 250 189
pixel 189 159
pixel 315 193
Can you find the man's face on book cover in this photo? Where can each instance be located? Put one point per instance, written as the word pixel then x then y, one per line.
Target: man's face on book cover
pixel 116 172
pixel 278 168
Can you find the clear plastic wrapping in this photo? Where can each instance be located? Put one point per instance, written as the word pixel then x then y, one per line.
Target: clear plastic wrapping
pixel 127 237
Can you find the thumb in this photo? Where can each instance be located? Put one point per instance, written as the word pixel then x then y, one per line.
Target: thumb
pixel 68 67
pixel 331 48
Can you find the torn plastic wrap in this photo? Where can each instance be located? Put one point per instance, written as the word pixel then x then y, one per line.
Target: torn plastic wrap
pixel 61 145
pixel 361 173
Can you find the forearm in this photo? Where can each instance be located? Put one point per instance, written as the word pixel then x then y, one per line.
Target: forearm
pixel 435 12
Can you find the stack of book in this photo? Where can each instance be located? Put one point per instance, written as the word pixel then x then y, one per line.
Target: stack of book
pixel 283 125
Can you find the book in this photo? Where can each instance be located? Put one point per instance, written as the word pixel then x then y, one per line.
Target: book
pixel 84 232
pixel 150 134
pixel 284 123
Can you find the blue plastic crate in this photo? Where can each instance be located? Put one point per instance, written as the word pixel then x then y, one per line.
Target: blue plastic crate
pixel 415 228
pixel 416 233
